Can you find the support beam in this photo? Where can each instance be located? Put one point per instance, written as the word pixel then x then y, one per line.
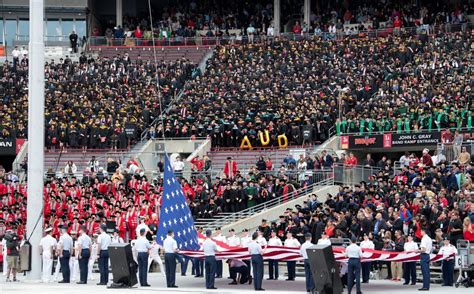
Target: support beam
pixel 34 222
pixel 307 12
pixel 276 17
pixel 119 13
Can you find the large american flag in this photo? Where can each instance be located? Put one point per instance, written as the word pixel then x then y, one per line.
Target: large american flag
pixel 293 254
pixel 175 214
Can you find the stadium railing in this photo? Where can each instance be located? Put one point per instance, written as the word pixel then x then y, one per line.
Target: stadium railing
pixel 353 174
pixel 244 39
pixel 231 218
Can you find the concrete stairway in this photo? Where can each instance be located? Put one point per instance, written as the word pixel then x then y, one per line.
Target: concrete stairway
pixel 248 158
pixel 193 53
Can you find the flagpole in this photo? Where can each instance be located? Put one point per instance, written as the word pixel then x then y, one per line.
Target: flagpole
pixel 34 222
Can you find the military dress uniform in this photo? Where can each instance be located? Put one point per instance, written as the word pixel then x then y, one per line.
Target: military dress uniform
pixel 449 252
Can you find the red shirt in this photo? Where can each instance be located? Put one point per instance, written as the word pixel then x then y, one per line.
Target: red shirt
pixel 469 235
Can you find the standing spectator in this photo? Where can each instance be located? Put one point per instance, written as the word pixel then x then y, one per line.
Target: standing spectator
pixel 426 159
pixel 16 57
pixel 73 39
pixel 12 255
pixel 457 143
pixel 230 168
pixel 178 166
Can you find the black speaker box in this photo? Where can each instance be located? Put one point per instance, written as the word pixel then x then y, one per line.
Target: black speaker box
pixel 124 267
pixel 325 270
pixel 110 227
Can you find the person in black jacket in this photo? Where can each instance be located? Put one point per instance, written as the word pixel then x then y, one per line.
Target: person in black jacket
pixel 261 166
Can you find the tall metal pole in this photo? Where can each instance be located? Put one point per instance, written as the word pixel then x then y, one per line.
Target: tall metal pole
pixel 276 17
pixel 34 225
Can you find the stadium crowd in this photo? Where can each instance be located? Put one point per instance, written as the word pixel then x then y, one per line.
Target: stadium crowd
pixel 93 103
pixel 302 88
pixel 217 19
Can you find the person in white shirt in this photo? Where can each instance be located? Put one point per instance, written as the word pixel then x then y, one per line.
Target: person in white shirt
pixel 425 250
pixel 155 256
pixel 219 237
pixel 103 242
pixel 24 52
pixel 409 268
pixel 16 56
pixel 256 252
pixel 233 240
pixel 93 258
pixel 74 261
pixel 366 244
pixel 170 246
pixel 178 166
pixel 142 247
pixel 324 240
pixel 47 247
pixel 405 159
pixel 291 265
pixel 4 253
pixel 116 237
pixel 261 239
pixel 142 225
pixel 307 269
pixel 449 253
pixel 354 253
pixel 84 243
pixel 270 31
pixel 244 242
pixel 209 248
pixel 273 263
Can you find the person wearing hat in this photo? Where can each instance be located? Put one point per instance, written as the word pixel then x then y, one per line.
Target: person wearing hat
pixel 103 242
pixel 449 252
pixel 409 268
pixel 94 256
pixel 307 269
pixel 426 247
pixel 142 247
pixel 210 248
pixel 64 251
pixel 256 252
pixel 47 246
pixel 170 246
pixel 219 237
pixel 354 253
pixel 84 244
pixel 366 244
pixel 291 265
pixel 273 263
pixel 244 243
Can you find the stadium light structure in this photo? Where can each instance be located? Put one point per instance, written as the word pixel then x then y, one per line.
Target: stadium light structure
pixel 34 225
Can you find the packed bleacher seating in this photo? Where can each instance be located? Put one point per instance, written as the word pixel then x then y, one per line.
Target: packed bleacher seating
pixel 302 88
pixel 103 103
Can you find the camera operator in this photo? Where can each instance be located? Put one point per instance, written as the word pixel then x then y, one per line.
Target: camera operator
pixel 12 244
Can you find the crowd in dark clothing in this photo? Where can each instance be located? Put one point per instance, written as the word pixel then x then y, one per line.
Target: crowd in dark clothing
pixel 93 103
pixel 303 88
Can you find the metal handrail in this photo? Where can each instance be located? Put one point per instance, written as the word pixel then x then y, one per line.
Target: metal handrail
pixel 269 204
pixel 402 132
pixel 102 41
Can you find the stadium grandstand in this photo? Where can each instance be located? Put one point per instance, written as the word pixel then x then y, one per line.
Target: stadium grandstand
pixel 335 119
